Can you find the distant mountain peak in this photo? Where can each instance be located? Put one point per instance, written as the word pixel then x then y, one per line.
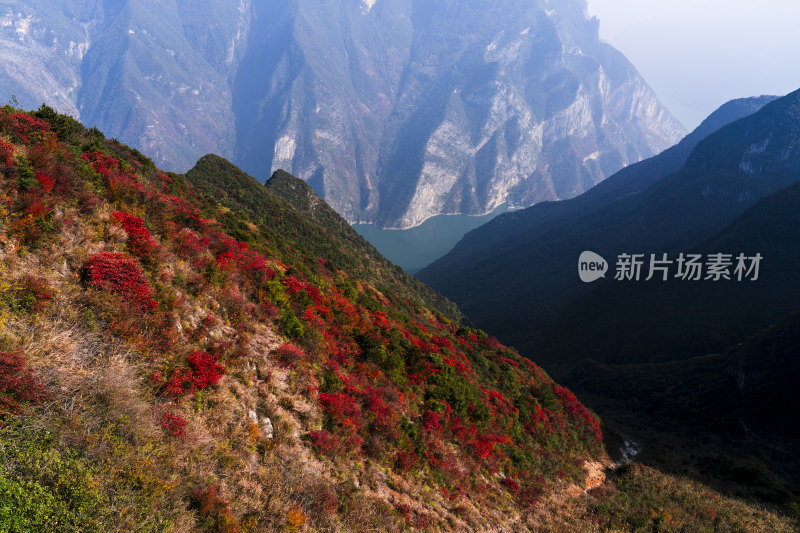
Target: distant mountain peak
pixel 766 141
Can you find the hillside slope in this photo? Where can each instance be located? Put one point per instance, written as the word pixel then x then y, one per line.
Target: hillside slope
pixel 165 366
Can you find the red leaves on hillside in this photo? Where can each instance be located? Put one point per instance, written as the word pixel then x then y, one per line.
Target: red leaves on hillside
pixel 294 286
pixel 6 153
pixel 33 293
pixel 23 126
pixel 403 381
pixel 214 509
pixel 430 420
pixel 340 406
pixel 323 441
pixel 122 275
pixel 484 445
pixel 190 246
pixel 512 485
pixel 18 385
pixel 232 255
pixel 206 372
pixel 579 413
pixel 140 242
pixel 101 163
pixel 46 182
pixel 175 424
pixel 118 181
pixel 289 354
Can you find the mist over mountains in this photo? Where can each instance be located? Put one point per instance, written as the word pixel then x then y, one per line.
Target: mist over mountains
pixel 393 110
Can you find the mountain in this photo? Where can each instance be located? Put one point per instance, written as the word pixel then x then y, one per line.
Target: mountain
pixel 155 78
pixel 177 352
pixel 393 110
pixel 515 275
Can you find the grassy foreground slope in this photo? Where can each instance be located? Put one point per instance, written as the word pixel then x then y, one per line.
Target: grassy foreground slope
pixel 176 355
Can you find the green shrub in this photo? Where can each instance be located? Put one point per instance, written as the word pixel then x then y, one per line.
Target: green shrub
pixel 291 324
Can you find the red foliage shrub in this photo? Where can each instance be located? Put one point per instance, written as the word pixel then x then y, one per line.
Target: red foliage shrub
pixel 33 293
pixel 101 163
pixel 157 378
pixel 206 372
pixel 289 354
pixel 23 126
pixel 140 242
pixel 119 182
pixel 213 507
pixel 578 413
pixel 384 416
pixel 511 485
pixel 120 274
pixel 175 424
pixel 539 418
pixel 442 342
pixel 257 265
pixel 179 384
pixel 6 153
pixel 484 444
pixel 47 152
pixel 226 261
pixel 530 496
pixel 340 406
pixel 405 460
pixel 87 201
pixel 351 439
pixel 190 245
pixel 294 286
pixel 430 419
pixel 325 500
pixel 46 181
pixel 405 511
pixel 380 320
pixel 323 441
pixel 17 384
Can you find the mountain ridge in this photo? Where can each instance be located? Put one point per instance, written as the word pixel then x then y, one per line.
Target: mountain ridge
pixel 643 221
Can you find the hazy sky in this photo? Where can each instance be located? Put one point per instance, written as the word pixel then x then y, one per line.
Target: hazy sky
pixel 698 54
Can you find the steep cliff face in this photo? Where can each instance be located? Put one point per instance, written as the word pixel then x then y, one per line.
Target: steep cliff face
pixel 154 76
pixel 394 110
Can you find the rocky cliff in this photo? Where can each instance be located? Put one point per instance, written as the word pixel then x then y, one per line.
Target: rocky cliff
pixel 394 110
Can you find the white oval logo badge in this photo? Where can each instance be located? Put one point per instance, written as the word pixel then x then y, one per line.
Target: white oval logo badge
pixel 591 267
